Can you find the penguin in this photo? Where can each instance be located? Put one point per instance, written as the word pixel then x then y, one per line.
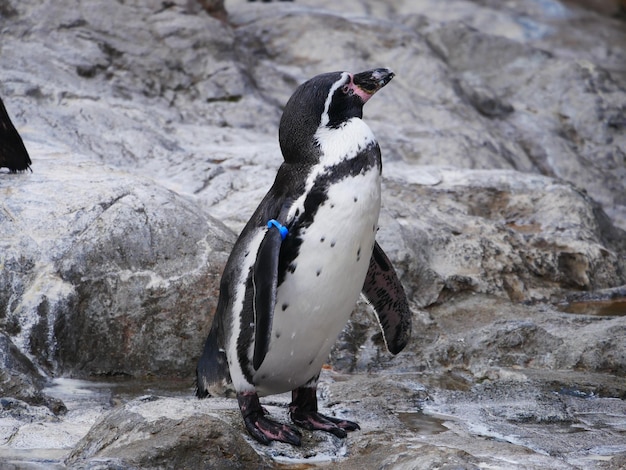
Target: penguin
pixel 13 154
pixel 302 260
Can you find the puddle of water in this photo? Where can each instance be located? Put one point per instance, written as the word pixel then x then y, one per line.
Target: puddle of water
pixel 604 308
pixel 421 423
pixel 456 381
pixel 567 428
pixel 79 394
pixel 85 401
pixel 449 381
pixel 576 392
pixel 26 459
pixel 295 466
pixel 306 462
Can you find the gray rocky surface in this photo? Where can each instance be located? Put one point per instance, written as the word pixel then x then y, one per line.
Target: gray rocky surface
pixel 153 432
pixel 119 271
pixel 152 127
pixel 20 379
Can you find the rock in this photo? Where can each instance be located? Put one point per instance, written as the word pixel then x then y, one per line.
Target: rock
pixel 106 273
pixel 17 418
pixel 526 237
pixel 20 379
pixel 483 384
pixel 474 333
pixel 153 128
pixel 521 337
pixel 482 100
pixel 576 131
pixel 537 418
pixel 154 432
pixel 180 66
pixel 516 417
pixel 472 114
pixel 606 7
pixel 214 8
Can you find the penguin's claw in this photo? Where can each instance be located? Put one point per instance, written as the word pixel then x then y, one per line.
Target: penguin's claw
pixel 265 430
pixel 261 428
pixel 314 421
pixel 303 412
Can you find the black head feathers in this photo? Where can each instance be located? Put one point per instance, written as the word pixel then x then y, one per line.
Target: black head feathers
pixel 327 100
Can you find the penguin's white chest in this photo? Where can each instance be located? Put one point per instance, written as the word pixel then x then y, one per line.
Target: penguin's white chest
pixel 315 301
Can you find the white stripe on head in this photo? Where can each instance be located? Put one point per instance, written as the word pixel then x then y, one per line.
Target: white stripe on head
pixel 325 118
pixel 336 145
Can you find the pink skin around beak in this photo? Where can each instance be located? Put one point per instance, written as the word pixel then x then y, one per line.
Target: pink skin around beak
pixel 357 91
pixel 365 84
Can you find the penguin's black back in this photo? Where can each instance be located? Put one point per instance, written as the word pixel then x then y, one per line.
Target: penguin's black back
pixel 13 153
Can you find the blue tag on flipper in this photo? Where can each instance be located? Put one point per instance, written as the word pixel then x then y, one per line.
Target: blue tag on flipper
pixel 281 228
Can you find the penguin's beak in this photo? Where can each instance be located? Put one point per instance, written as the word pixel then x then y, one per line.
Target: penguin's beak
pixel 371 81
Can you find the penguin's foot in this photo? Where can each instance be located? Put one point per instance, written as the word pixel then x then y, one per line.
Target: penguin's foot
pixel 314 421
pixel 303 412
pixel 261 428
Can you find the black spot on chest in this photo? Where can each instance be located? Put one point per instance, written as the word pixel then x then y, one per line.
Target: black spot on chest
pixel 366 160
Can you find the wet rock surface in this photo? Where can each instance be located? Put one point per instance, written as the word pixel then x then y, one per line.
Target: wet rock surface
pixel 509 418
pixel 189 434
pixel 521 236
pixel 119 271
pixel 152 127
pixel 20 379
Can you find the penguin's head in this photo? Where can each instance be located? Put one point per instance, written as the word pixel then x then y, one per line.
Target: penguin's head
pixel 327 100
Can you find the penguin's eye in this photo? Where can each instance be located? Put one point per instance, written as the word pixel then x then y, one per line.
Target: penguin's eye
pixel 347 90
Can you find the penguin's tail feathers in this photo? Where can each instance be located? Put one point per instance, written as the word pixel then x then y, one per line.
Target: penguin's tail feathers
pixel 212 375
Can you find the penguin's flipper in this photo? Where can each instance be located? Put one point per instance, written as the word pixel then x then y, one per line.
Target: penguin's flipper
pixel 385 293
pixel 265 281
